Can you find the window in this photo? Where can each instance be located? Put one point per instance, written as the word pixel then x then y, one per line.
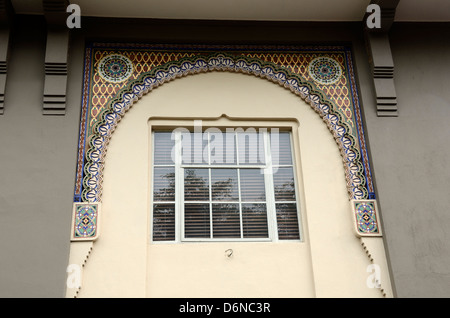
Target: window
pixel 215 185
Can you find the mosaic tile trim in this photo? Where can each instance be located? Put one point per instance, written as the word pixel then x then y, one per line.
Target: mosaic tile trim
pixel 360 131
pixel 85 221
pixel 104 103
pixel 366 219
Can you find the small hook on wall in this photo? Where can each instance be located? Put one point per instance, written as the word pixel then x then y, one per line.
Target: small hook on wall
pixel 229 253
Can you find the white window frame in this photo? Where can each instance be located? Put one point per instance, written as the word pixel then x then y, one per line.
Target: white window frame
pixel 269 192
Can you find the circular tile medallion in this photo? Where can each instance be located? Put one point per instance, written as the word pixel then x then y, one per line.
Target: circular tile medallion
pixel 325 70
pixel 115 68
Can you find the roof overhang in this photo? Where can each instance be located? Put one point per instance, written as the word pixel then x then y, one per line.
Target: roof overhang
pixel 248 10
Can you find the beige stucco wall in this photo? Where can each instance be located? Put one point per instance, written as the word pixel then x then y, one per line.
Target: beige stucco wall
pixel 329 262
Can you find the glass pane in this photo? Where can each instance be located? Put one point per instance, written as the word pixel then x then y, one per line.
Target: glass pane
pixel 284 185
pixel 223 148
pixel 196 220
pixel 164 222
pixel 163 184
pixel 196 185
pixel 224 185
pixel 162 149
pixel 194 148
pixel 280 147
pixel 252 185
pixel 226 221
pixel 287 221
pixel 254 219
pixel 251 147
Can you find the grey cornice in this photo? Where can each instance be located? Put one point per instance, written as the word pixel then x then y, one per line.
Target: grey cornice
pixel 380 58
pixel 56 57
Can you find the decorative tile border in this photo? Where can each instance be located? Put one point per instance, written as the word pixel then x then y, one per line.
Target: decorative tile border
pixel 366 220
pixel 85 221
pixel 330 90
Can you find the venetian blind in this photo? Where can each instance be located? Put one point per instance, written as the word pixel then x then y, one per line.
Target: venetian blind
pixel 163 188
pixel 224 190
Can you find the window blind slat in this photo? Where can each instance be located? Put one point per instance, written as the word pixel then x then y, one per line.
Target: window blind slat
pixel 254 219
pixel 194 148
pixel 283 181
pixel 196 220
pixel 164 222
pixel 287 221
pixel 281 148
pixel 223 149
pixel 196 184
pixel 252 185
pixel 163 184
pixel 251 148
pixel 224 185
pixel 163 145
pixel 226 221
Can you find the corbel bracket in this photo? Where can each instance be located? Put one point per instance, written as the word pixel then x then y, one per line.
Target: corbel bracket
pixel 6 16
pixel 56 57
pixel 380 58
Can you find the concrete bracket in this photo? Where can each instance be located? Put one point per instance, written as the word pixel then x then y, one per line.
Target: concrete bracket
pixel 381 61
pixel 6 15
pixel 4 45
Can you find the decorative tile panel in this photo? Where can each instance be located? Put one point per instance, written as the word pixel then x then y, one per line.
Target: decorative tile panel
pixel 324 70
pixel 85 225
pixel 115 68
pixel 365 214
pixel 117 75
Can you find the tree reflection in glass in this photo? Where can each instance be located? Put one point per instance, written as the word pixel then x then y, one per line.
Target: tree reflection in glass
pixel 164 184
pixel 224 185
pixel 196 185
